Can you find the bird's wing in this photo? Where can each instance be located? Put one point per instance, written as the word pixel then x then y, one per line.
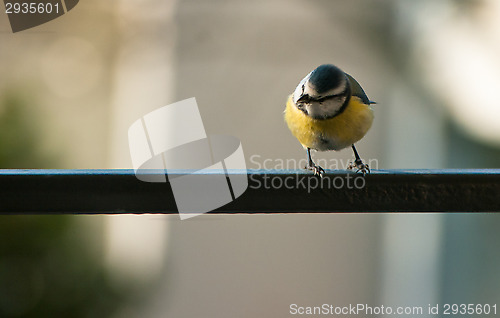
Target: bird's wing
pixel 357 90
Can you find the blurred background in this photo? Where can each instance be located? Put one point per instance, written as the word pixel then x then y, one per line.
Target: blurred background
pixel 70 88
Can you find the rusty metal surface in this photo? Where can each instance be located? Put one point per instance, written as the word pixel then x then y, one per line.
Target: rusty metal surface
pixel 276 191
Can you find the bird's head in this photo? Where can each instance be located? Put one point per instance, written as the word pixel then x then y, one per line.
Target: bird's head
pixel 323 93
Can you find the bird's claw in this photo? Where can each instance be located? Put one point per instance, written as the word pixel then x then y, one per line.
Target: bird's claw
pixel 317 170
pixel 360 167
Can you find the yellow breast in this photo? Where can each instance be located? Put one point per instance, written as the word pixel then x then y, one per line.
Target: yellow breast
pixel 336 133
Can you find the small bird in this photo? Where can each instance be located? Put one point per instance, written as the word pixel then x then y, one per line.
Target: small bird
pixel 329 111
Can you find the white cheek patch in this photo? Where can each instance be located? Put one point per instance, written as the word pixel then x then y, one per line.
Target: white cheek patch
pixel 314 110
pixel 325 109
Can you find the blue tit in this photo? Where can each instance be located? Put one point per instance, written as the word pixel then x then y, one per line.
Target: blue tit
pixel 329 111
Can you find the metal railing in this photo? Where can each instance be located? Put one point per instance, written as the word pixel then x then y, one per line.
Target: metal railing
pixel 269 191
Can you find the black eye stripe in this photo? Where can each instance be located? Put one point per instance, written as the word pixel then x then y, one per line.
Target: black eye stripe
pixel 322 99
pixel 345 92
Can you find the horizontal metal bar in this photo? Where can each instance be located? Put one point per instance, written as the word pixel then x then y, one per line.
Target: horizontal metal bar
pixel 269 191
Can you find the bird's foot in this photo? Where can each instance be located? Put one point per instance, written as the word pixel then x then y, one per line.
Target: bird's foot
pixel 360 167
pixel 317 170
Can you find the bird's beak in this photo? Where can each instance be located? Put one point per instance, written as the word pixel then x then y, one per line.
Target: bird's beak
pixel 303 98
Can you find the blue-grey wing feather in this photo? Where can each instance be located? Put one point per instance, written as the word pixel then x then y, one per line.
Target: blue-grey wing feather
pixel 357 90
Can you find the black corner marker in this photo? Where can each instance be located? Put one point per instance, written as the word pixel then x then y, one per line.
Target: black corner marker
pixel 26 14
